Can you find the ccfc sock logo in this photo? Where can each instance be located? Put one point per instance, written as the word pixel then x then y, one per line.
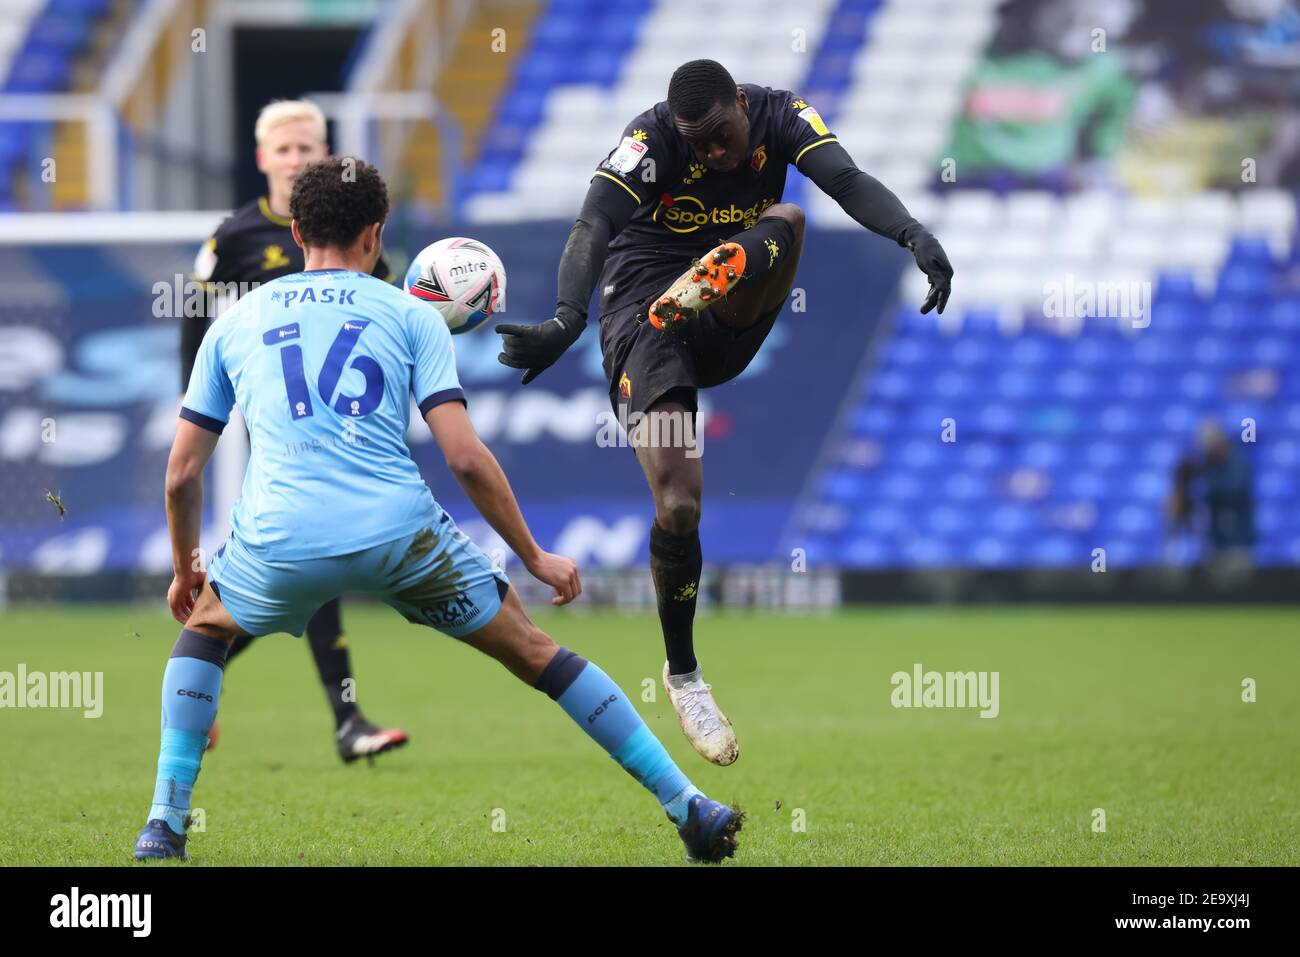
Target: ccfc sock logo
pixel 625 386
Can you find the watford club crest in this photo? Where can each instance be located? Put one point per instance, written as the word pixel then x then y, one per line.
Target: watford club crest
pixel 760 158
pixel 625 386
pixel 273 257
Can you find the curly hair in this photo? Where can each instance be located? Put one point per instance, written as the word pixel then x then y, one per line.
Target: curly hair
pixel 335 199
pixel 697 86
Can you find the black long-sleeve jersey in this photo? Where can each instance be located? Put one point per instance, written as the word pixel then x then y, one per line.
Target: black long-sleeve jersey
pixel 252 245
pixel 652 208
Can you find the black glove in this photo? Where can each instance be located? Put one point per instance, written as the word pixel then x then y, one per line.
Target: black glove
pixel 535 348
pixel 933 261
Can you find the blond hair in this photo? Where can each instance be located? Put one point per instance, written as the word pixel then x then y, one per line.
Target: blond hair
pixel 278 112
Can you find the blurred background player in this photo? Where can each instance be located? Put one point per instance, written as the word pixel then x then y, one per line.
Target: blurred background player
pixel 1213 496
pixel 345 456
pixel 255 245
pixel 698 179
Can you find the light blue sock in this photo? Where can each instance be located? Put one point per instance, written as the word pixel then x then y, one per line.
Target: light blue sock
pixel 191 689
pixel 592 699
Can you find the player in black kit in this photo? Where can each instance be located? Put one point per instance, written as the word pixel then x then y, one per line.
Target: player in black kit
pixel 696 184
pixel 255 245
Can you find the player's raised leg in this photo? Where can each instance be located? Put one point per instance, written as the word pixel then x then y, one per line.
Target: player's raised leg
pixel 604 712
pixel 741 277
pixel 191 690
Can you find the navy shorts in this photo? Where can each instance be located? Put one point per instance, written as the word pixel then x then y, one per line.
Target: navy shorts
pixel 643 364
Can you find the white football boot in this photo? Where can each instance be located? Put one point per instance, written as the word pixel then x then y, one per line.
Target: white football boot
pixel 704 725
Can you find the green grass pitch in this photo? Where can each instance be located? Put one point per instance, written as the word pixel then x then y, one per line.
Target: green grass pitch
pixel 1138 712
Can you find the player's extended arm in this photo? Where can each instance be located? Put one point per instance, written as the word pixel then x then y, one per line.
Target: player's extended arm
pixel 191 450
pixel 480 475
pixel 871 203
pixel 606 210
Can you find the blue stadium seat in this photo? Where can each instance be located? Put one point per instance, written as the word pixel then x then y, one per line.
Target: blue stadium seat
pixel 1176 286
pixel 599 67
pixel 868 553
pixel 991 553
pixel 874 419
pixel 929 553
pixel 1018 383
pixel 1010 520
pixel 1162 453
pixel 1281 453
pixel 523 106
pixel 1058 551
pixel 86 8
pixel 1041 454
pixel 615 31
pixel 901 486
pixel 1249 250
pixel 1280 485
pixel 1283 315
pixel 992 418
pixel 880 520
pixel 843 485
pixel 61 35
pixel 541 68
pixel 1278 551
pixel 1246 281
pixel 970 353
pixel 1273 350
pixel 980 455
pixel 39 72
pixel 557 33
pixel 964 487
pixel 947 520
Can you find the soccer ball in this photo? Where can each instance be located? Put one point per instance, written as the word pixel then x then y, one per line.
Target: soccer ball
pixel 462 278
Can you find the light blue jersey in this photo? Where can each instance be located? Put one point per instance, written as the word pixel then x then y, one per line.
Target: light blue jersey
pixel 323 366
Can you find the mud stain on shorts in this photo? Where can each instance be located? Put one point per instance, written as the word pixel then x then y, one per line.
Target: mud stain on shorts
pixel 440 581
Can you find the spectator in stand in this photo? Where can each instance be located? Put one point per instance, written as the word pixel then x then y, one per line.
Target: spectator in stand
pixel 1217 482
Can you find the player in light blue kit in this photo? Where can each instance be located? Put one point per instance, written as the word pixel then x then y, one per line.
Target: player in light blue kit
pixel 323 365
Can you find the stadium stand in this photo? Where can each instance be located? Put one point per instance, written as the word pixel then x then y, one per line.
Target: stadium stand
pixel 1065 437
pixel 42 44
pixel 563 112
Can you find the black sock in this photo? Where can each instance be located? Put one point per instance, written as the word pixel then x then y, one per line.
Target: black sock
pixel 766 245
pixel 324 634
pixel 238 645
pixel 675 564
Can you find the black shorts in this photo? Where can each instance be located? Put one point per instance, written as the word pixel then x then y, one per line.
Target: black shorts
pixel 643 363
